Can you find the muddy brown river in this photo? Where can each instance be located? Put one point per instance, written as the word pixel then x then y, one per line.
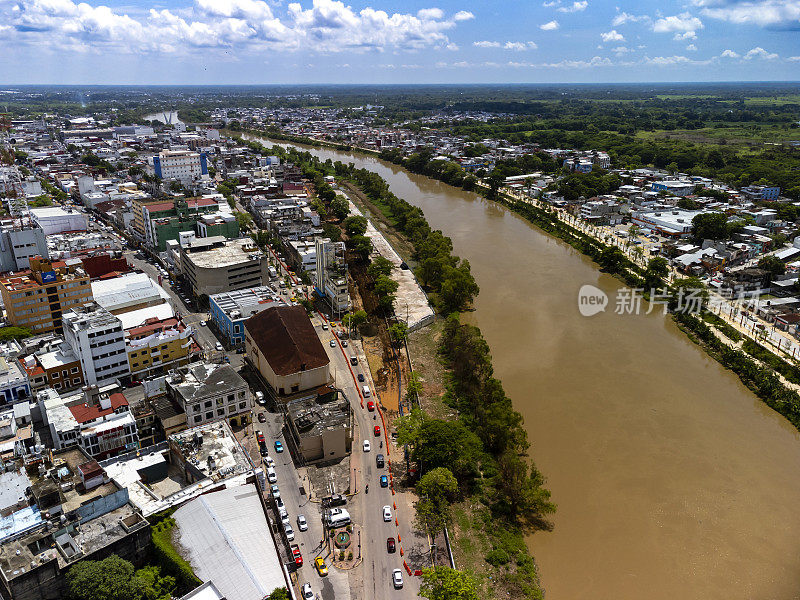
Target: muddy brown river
pixel 672 479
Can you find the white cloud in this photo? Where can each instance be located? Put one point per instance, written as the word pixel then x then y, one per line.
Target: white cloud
pixel 666 61
pixel 759 52
pixel 551 4
pixel 517 46
pixel 620 50
pixel 549 26
pixel 452 47
pixel 793 58
pixel 612 36
pixel 624 17
pixel 574 7
pixel 691 48
pixel 321 25
pixel 486 44
pixel 729 54
pixel 766 13
pixel 686 35
pixel 681 23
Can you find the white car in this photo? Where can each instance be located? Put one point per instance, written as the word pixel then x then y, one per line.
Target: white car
pixel 302 524
pixel 387 513
pixel 269 461
pixel 218 346
pixel 366 446
pixel 306 592
pixel 276 492
pixel 333 343
pixel 272 477
pixel 284 515
pixel 289 531
pixel 397 579
pixel 202 323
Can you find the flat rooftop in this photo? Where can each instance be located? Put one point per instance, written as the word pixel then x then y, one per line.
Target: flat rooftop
pixel 312 417
pixel 217 252
pixel 247 302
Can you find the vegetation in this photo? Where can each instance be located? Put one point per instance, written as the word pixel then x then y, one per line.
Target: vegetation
pixel 114 578
pixel 713 226
pixel 14 333
pixel 444 583
pixel 166 555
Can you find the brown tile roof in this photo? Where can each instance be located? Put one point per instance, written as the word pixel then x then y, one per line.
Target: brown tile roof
pixel 286 337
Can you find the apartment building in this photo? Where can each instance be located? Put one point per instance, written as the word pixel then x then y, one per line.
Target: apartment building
pixel 157 346
pixel 215 265
pixel 37 300
pixel 331 275
pixel 55 366
pixel 208 392
pixel 18 245
pixel 97 338
pixel 183 165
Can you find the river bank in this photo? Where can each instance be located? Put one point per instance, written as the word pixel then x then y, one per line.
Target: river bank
pixel 671 478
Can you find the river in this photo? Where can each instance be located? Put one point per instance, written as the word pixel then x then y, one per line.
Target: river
pixel 672 479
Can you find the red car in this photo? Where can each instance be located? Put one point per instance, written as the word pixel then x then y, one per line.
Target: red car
pixel 377 430
pixel 260 437
pixel 298 558
pixel 390 547
pixel 370 406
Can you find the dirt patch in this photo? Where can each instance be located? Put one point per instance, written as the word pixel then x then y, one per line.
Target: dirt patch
pixel 423 345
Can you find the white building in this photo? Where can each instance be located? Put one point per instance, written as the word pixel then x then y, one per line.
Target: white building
pixel 331 274
pixel 53 219
pixel 183 165
pixel 98 340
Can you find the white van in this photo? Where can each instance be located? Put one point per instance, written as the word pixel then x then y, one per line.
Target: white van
pixel 338 517
pixel 365 391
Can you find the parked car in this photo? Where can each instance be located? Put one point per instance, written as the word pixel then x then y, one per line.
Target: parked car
pixel 272 477
pixel 288 531
pixel 260 397
pixel 397 579
pixel 390 545
pixel 275 490
pixel 202 323
pixel 324 327
pixel 344 343
pixel 360 377
pixel 218 347
pixel 259 437
pixel 268 460
pixel 302 524
pixel 384 481
pixel 319 565
pixel 278 446
pixel 387 513
pixel 333 343
pixel 306 592
pixel 334 500
pixel 366 446
pixel 298 557
pixel 262 418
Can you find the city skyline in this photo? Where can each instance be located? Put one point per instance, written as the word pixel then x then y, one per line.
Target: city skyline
pixel 378 41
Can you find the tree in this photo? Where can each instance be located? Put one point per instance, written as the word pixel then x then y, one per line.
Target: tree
pixel 340 207
pixel 436 490
pixel 710 226
pixel 413 386
pixel 444 583
pixel 279 594
pixel 657 271
pixel 773 265
pixel 244 219
pixel 361 246
pixel 688 204
pixel 379 266
pixel 611 259
pixel 355 320
pixel 458 288
pixel 521 494
pixel 109 579
pixel 355 225
pixel 385 287
pixel 398 332
pixel 14 333
pixel 332 232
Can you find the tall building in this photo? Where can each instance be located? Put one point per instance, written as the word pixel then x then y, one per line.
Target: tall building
pixel 331 275
pixel 18 245
pixel 182 165
pixel 215 265
pixel 158 345
pixel 37 300
pixel 97 338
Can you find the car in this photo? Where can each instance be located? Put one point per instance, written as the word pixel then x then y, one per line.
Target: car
pixel 298 557
pixel 218 347
pixel 344 343
pixel 272 477
pixel 387 513
pixel 324 327
pixel 262 418
pixel 306 592
pixel 390 545
pixel 333 343
pixel 275 490
pixel 334 500
pixel 279 503
pixel 366 446
pixel 377 430
pixel 370 406
pixel 361 378
pixel 287 529
pixel 379 461
pixel 384 481
pixel 260 397
pixel 284 514
pixel 268 460
pixel 397 579
pixel 302 524
pixel 278 446
pixel 319 565
pixel 259 437
pixel 203 323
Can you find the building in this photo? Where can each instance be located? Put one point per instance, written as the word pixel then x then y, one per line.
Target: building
pixel 601 212
pixel 762 192
pixel 65 510
pixel 164 221
pixel 208 392
pixel 97 338
pixel 54 219
pixel 230 310
pixel 37 300
pixel 14 384
pixel 127 293
pixel 215 265
pixel 320 426
pixel 672 223
pixel 674 187
pixel 331 275
pixel 283 346
pixel 98 420
pixel 18 245
pixel 183 165
pixel 157 346
pixel 55 366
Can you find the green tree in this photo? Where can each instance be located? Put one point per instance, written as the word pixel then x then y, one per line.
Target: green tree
pixel 710 226
pixel 14 333
pixel 688 204
pixel 361 246
pixel 332 232
pixel 244 219
pixel 611 259
pixel 385 287
pixel 109 579
pixel 413 386
pixel 379 266
pixel 436 490
pixel 656 273
pixel 458 288
pixel 773 265
pixel 340 207
pixel 355 225
pixel 355 320
pixel 398 332
pixel 279 594
pixel 444 583
pixel 521 494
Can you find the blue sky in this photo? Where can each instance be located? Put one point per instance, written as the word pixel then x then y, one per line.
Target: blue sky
pixel 392 41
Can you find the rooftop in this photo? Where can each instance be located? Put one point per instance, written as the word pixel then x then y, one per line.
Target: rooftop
pixel 312 417
pixel 204 379
pixel 217 252
pixel 246 302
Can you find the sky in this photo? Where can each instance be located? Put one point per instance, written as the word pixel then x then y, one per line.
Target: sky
pixel 397 41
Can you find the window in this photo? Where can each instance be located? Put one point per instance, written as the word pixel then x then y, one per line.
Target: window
pixel 208 404
pixel 220 412
pixel 54 376
pixel 230 397
pixel 65 374
pixel 76 381
pixel 73 370
pixel 209 415
pixel 198 418
pixel 242 405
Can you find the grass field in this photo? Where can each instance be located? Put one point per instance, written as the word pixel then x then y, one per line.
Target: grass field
pixel 727 134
